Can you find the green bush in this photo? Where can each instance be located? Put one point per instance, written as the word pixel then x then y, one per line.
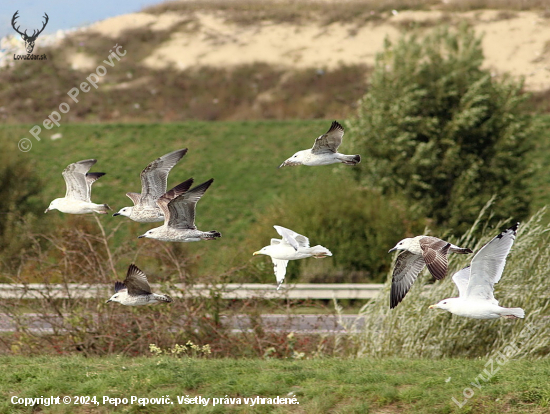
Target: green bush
pixel 443 132
pixel 357 225
pixel 19 203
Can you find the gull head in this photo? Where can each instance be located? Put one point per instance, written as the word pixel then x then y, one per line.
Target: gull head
pixel 445 304
pixel 296 159
pixel 151 234
pixel 114 298
pixel 402 245
pixel 53 205
pixel 125 211
pixel 263 250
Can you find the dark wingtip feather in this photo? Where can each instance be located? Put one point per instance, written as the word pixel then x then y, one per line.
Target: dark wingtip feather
pixel 179 189
pixel 334 126
pixel 119 286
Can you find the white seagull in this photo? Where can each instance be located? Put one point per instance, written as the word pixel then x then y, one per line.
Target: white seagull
pixel 79 189
pixel 324 151
pixel 418 252
pixel 476 282
pixel 179 218
pixel 154 179
pixel 135 290
pixel 292 246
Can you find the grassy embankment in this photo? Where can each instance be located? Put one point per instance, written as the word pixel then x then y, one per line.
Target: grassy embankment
pixel 320 386
pixel 242 157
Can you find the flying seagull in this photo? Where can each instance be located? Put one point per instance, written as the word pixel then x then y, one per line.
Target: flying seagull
pixel 79 189
pixel 292 246
pixel 476 282
pixel 153 185
pixel 419 251
pixel 179 218
pixel 324 151
pixel 135 290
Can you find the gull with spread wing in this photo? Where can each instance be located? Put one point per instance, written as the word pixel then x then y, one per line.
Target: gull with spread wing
pixel 292 246
pixel 476 282
pixel 154 179
pixel 179 218
pixel 79 189
pixel 418 252
pixel 135 290
pixel 324 151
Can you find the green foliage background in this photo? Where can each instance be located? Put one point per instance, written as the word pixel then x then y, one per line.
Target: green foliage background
pixel 440 130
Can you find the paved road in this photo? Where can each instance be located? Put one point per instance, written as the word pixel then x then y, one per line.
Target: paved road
pixel 322 324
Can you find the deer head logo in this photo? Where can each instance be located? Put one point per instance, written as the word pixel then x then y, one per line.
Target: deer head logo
pixel 29 40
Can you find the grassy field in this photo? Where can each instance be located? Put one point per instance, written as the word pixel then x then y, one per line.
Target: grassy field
pixel 318 386
pixel 242 157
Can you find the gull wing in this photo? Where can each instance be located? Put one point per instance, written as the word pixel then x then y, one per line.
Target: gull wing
pixel 291 237
pixel 78 186
pixel 279 267
pixel 275 242
pixel 136 281
pixel 406 270
pixel 488 265
pixel 90 179
pixel 179 189
pixel 181 210
pixel 461 279
pixel 329 142
pixel 120 286
pixel 135 197
pixel 154 177
pixel 434 252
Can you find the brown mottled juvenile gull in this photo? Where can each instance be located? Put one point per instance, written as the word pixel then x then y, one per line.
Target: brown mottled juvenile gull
pixel 419 251
pixel 324 151
pixel 179 218
pixel 476 282
pixel 135 290
pixel 292 246
pixel 79 189
pixel 153 185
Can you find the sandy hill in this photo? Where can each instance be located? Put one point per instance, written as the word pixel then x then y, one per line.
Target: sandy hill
pixel 287 47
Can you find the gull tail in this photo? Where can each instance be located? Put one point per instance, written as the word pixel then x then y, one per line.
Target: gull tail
pixel 459 250
pixel 513 313
pixel 211 235
pixel 164 298
pixel 350 159
pixel 319 252
pixel 102 209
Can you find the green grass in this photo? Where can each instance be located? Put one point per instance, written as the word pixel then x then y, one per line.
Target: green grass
pixel 242 157
pixel 320 385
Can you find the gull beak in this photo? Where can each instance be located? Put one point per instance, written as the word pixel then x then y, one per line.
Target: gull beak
pixel 432 306
pixel 282 165
pixel 392 250
pixel 142 236
pixel 48 209
pixel 108 301
pixel 255 253
pixel 116 214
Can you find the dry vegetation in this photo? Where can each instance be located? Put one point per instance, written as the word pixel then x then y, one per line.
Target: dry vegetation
pixel 246 12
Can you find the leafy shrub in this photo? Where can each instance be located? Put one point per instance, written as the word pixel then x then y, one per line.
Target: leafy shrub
pixel 357 225
pixel 440 130
pixel 19 202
